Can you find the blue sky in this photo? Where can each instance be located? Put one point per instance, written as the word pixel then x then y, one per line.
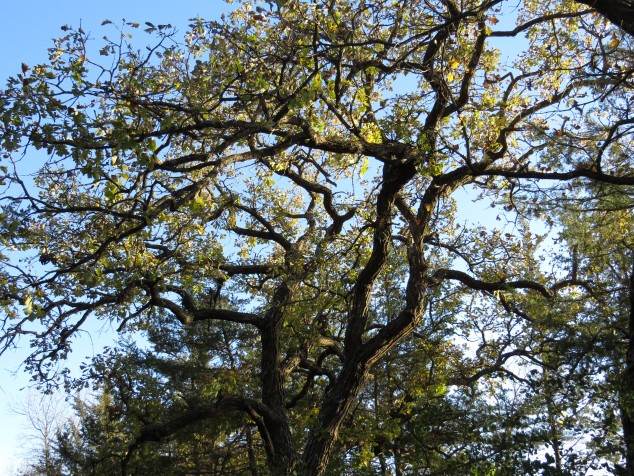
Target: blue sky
pixel 27 28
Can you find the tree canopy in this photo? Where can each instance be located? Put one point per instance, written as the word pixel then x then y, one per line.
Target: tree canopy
pixel 276 213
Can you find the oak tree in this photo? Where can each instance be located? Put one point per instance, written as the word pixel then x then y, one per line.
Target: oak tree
pixel 279 202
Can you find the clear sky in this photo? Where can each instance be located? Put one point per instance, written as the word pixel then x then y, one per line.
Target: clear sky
pixel 26 31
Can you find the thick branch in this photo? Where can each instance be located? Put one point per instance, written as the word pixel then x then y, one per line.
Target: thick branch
pixel 158 432
pixel 619 12
pixel 490 286
pixel 571 175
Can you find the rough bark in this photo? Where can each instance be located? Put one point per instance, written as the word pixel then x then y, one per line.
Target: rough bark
pixel 359 356
pixel 619 12
pixel 276 432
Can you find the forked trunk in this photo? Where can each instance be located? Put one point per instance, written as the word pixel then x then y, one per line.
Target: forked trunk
pixel 333 412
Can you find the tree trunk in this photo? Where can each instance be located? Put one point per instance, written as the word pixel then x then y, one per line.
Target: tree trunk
pixel 283 457
pixel 333 411
pixel 275 430
pixel 344 393
pixel 360 356
pixel 252 461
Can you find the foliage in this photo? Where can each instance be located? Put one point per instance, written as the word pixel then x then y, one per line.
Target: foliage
pixel 275 210
pixel 141 388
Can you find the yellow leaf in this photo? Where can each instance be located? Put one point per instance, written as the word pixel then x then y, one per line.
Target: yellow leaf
pixel 28 305
pixel 364 167
pixel 371 133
